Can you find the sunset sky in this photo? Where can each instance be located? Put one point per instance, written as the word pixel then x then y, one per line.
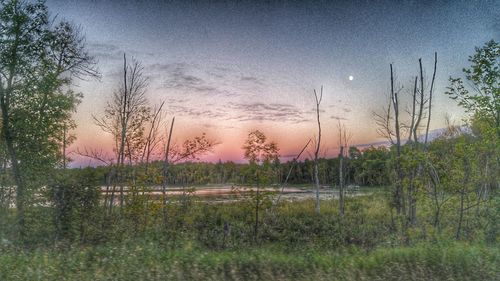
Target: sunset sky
pixel 227 67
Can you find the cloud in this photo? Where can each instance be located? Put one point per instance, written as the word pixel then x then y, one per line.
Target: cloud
pixel 219 72
pixel 339 112
pixel 105 51
pixel 241 112
pixel 213 81
pixel 223 82
pixel 252 79
pixel 182 110
pixel 167 67
pixel 177 78
pixel 188 78
pixel 339 118
pixel 277 112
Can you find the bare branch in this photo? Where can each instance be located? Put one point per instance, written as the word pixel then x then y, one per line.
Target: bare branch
pixel 430 99
pixel 95 154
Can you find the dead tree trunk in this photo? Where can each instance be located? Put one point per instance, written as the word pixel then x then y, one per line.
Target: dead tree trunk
pixel 463 193
pixel 294 162
pixel 257 204
pixel 344 138
pixel 124 125
pixel 318 144
pixel 165 174
pixel 398 196
pixel 430 100
pixel 341 181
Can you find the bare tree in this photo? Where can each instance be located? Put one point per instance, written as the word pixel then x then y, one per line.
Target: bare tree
pixel 127 111
pixel 294 162
pixel 413 109
pixel 424 111
pixel 191 149
pixel 318 145
pixel 153 138
pixel 344 139
pixel 124 118
pixel 165 173
pixel 390 126
pixel 430 99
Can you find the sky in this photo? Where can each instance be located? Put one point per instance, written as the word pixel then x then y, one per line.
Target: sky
pixel 228 67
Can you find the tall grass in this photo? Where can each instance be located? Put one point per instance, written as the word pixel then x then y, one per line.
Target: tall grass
pixel 149 261
pixel 206 241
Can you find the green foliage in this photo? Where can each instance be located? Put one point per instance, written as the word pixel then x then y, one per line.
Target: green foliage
pixel 35 53
pixel 371 167
pixel 484 73
pixel 149 261
pixel 257 150
pixel 38 59
pixel 76 206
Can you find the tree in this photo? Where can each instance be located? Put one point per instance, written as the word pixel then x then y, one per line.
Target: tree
pixel 125 117
pixel 38 60
pixel 344 138
pixel 126 113
pixel 409 159
pixel 260 155
pixel 292 166
pixel 191 149
pixel 373 169
pixel 390 127
pixel 318 145
pixel 484 100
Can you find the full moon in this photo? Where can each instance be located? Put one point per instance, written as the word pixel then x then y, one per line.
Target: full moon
pixel 351 77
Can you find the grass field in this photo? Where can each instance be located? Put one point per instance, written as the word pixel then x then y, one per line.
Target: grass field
pixel 134 260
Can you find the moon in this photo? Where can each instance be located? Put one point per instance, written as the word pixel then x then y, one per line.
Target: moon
pixel 351 77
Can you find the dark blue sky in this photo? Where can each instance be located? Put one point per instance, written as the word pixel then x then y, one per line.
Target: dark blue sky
pixel 225 67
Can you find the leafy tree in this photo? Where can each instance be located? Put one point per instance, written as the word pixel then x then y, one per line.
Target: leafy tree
pixel 373 169
pixel 38 59
pixel 260 154
pixel 483 100
pixel 75 199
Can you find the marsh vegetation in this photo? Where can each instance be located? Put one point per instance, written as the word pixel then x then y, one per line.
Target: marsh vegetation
pixel 419 207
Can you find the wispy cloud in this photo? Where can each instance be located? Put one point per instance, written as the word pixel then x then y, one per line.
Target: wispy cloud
pixel 188 78
pixel 230 86
pixel 213 81
pixel 268 112
pixel 241 112
pixel 339 112
pixel 178 78
pixel 105 51
pixel 252 79
pixel 208 113
pixel 339 118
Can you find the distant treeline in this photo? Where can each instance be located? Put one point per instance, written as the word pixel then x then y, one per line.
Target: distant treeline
pixel 366 167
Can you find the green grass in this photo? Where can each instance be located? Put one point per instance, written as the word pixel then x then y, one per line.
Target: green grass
pixel 134 260
pixel 293 243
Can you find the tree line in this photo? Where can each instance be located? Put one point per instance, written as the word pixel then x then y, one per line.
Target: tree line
pixel 364 167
